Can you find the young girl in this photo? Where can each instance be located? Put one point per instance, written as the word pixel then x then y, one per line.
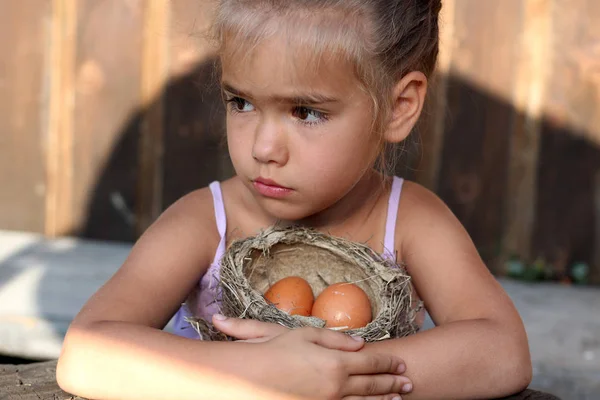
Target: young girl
pixel 315 91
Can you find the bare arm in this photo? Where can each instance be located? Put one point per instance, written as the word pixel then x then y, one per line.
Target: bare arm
pixel 115 346
pixel 461 360
pixel 114 360
pixel 479 348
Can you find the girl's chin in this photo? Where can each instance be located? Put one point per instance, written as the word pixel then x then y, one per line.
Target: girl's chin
pixel 285 213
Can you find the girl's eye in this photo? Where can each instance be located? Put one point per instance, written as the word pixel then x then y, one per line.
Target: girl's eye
pixel 237 104
pixel 309 116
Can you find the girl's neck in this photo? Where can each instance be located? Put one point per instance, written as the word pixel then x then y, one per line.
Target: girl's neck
pixel 353 210
pixel 347 217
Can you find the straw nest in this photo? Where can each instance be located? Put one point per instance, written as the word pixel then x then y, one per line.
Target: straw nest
pixel 252 265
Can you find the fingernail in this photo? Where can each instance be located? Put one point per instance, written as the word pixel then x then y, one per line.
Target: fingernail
pixel 407 388
pixel 401 368
pixel 357 338
pixel 219 317
pixel 397 398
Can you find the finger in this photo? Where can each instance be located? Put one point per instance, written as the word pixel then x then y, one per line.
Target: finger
pixel 255 340
pixel 331 339
pixel 246 328
pixel 377 385
pixel 362 363
pixel 391 396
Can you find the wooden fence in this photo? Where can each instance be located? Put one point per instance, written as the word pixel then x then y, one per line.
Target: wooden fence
pixel 108 114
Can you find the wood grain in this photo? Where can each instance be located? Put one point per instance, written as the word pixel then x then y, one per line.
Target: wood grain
pixel 473 169
pixel 569 159
pixel 31 382
pixel 24 29
pixel 433 120
pixel 154 77
pixel 107 128
pixel 37 381
pixel 110 112
pixel 194 141
pixel 532 79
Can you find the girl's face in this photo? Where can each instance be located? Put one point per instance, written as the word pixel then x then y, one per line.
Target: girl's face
pixel 299 135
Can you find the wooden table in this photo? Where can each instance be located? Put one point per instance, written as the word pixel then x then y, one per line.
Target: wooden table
pixel 37 381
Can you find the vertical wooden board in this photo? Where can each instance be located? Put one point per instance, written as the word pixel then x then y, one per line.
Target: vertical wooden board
pixel 432 124
pixel 195 151
pixel 154 72
pixel 531 81
pixel 595 274
pixel 566 230
pixel 107 122
pixel 24 29
pixel 474 158
pixel 59 177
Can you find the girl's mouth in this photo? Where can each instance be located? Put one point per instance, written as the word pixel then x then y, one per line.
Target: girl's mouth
pixel 270 188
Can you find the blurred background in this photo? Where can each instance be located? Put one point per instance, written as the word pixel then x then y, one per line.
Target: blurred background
pixel 109 112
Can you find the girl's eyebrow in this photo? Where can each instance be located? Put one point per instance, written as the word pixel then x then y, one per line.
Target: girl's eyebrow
pixel 302 98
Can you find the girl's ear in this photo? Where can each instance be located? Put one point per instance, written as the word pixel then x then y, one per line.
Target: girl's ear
pixel 408 99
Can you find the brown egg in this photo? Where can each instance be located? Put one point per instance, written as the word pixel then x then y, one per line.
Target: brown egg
pixel 292 295
pixel 343 306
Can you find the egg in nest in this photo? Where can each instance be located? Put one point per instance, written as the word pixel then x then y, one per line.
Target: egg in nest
pixel 343 306
pixel 292 295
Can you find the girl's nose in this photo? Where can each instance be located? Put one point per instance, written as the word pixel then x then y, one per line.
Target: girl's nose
pixel 270 143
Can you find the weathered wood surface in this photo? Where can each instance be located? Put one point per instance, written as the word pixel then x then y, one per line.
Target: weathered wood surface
pixel 22 101
pixel 31 382
pixel 37 381
pixel 60 133
pixel 566 228
pixel 108 89
pixel 109 114
pixel 117 116
pixel 474 159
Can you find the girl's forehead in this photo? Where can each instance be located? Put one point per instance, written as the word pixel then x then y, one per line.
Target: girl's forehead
pixel 274 66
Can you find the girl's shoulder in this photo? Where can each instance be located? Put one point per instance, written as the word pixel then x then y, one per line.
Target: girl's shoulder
pixel 192 214
pixel 165 264
pixel 196 207
pixel 417 198
pixel 208 209
pixel 421 210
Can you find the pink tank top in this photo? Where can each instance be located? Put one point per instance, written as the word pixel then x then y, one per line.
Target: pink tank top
pixel 207 303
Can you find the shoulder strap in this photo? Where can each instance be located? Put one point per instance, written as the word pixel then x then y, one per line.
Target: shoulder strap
pixel 220 217
pixel 389 240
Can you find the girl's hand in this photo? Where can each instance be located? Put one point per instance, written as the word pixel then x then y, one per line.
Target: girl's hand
pixel 247 330
pixel 319 363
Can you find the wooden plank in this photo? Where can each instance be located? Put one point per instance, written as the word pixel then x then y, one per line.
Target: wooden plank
pixel 595 272
pixel 475 155
pixel 533 72
pixel 38 381
pixel 434 116
pixel 107 95
pixel 23 33
pixel 195 151
pixel 570 147
pixel 60 130
pixel 31 382
pixel 43 285
pixel 154 77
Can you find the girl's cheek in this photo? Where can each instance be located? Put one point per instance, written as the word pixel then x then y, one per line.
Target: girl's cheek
pixel 237 131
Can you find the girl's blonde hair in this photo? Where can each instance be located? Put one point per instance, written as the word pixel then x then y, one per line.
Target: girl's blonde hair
pixel 383 40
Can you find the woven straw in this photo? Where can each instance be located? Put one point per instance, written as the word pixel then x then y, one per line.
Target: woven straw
pixel 250 266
